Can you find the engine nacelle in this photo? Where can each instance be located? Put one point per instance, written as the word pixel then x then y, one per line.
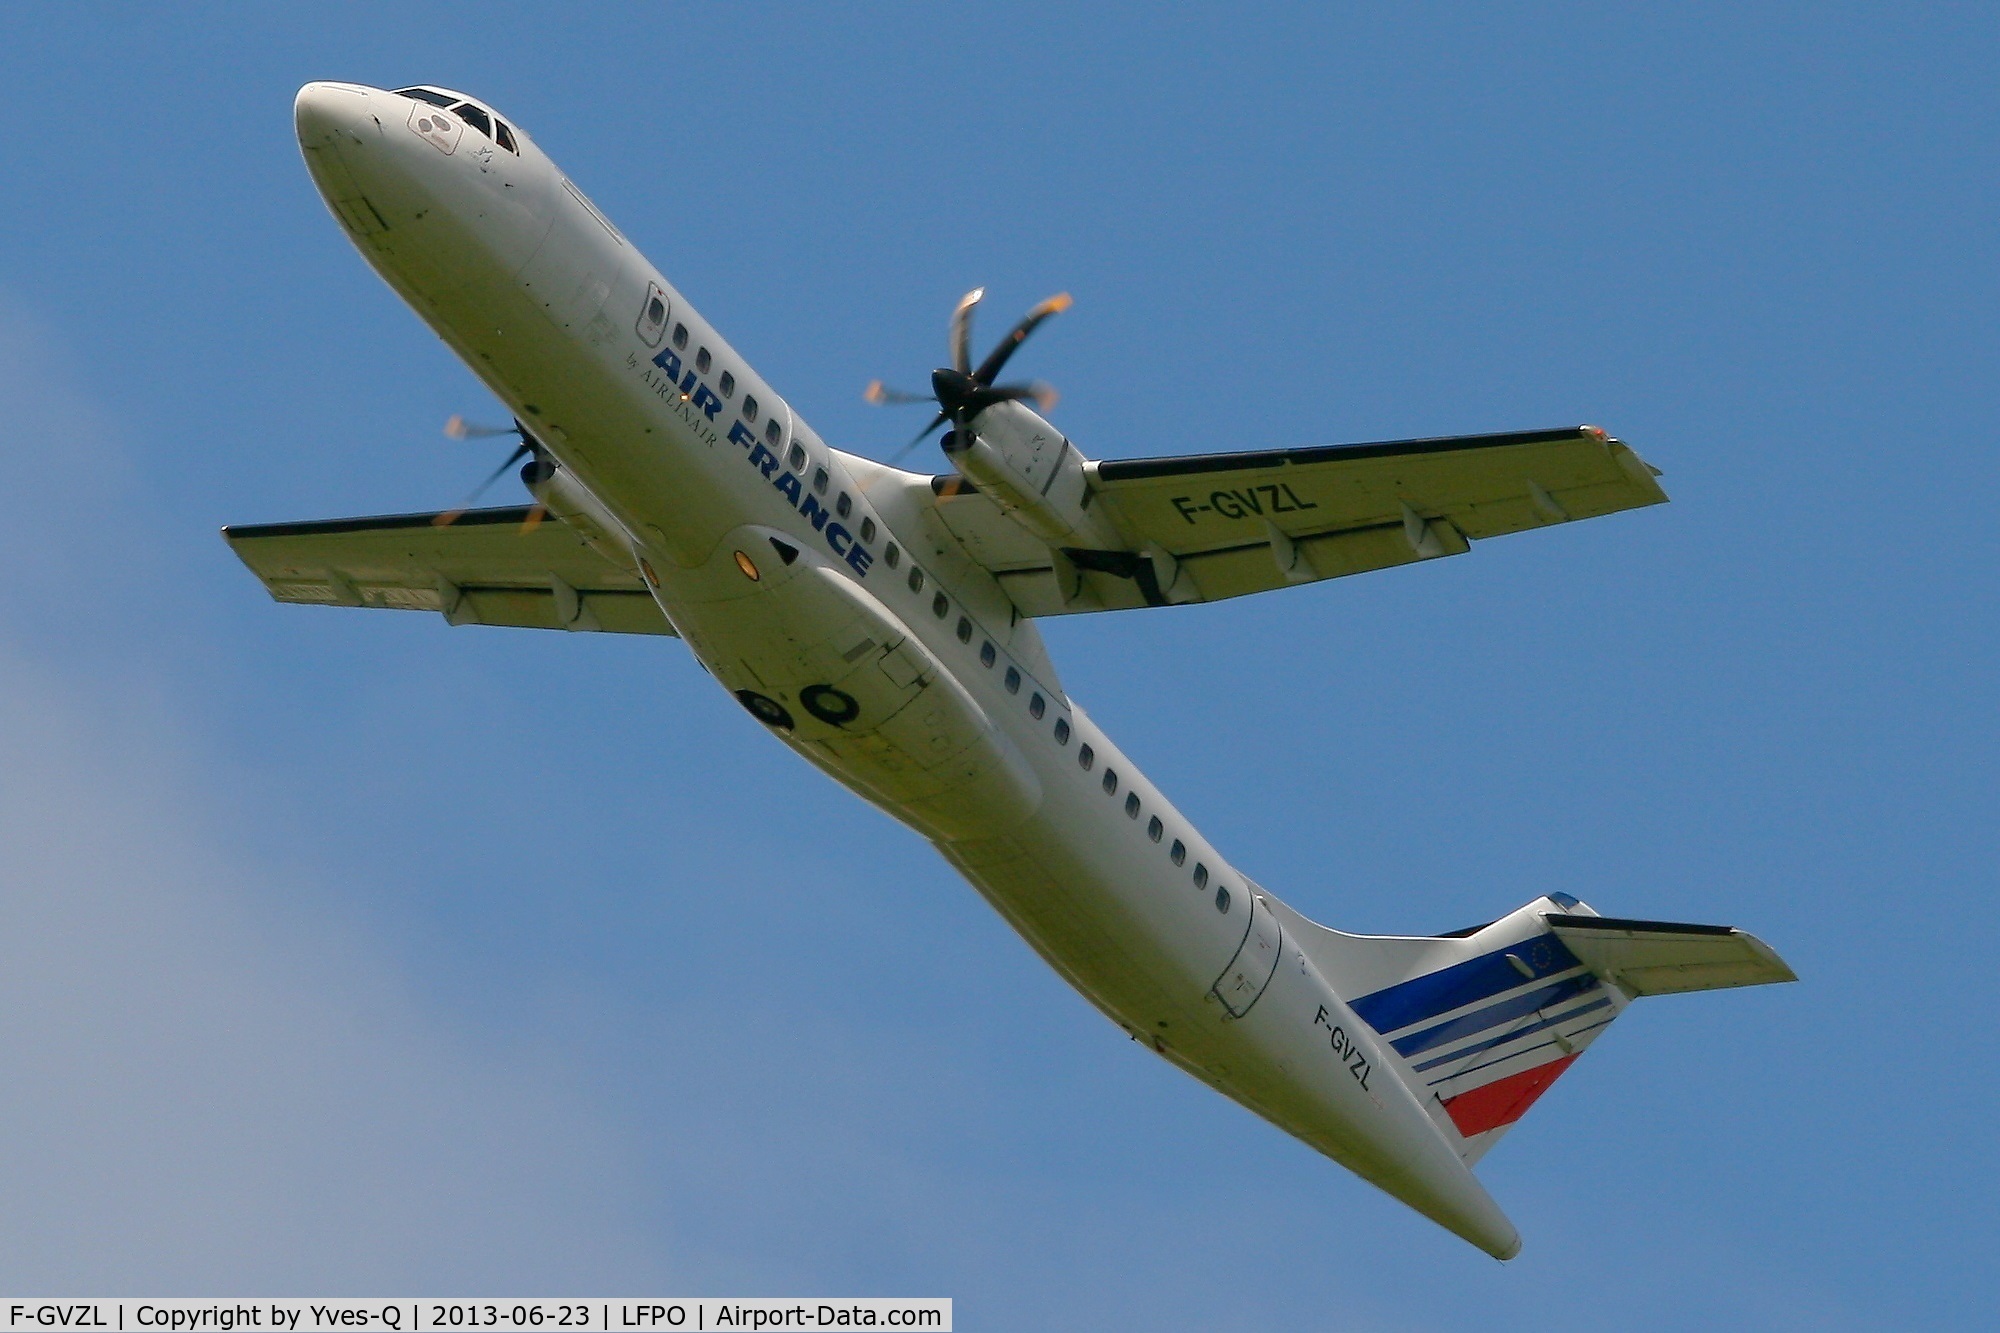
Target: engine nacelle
pixel 559 493
pixel 1030 469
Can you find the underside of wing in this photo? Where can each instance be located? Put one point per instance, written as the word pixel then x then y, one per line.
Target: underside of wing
pixel 487 567
pixel 1210 526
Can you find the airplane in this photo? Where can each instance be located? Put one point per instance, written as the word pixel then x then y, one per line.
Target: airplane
pixel 881 623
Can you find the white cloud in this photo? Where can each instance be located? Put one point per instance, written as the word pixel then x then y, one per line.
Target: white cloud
pixel 205 1085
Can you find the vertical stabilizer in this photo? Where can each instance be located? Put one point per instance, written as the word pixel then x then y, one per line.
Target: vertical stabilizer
pixel 1482 1022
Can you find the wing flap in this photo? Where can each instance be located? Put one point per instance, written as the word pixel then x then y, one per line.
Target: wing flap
pixel 489 567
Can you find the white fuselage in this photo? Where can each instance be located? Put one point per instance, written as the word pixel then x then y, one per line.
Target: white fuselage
pixel 927 695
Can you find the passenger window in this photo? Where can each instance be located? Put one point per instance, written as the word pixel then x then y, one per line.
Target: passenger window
pixel 1200 875
pixel 1221 898
pixel 702 361
pixel 867 530
pixel 681 336
pixel 1062 731
pixel 1086 756
pixel 1110 782
pixel 727 385
pixel 1013 681
pixel 916 578
pixel 1132 805
pixel 986 653
pixel 843 506
pixel 819 481
pixel 796 458
pixel 773 432
pixel 1154 828
pixel 964 630
pixel 1178 855
pixel 750 408
pixel 939 605
pixel 892 555
pixel 474 117
pixel 505 136
pixel 1036 707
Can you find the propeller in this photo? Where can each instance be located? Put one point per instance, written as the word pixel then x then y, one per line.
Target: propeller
pixel 457 428
pixel 961 390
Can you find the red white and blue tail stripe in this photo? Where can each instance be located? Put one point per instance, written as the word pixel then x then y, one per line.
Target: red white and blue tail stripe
pixel 1483 1036
pixel 1483 1021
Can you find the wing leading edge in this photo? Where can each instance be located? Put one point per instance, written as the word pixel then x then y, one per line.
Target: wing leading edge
pixel 1209 526
pixel 486 568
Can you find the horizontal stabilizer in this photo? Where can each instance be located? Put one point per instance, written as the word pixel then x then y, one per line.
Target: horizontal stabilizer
pixel 1668 957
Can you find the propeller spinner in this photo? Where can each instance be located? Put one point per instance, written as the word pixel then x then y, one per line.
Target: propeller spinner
pixel 961 390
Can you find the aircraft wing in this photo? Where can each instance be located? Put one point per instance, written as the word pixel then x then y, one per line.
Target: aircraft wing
pixel 1209 526
pixel 486 568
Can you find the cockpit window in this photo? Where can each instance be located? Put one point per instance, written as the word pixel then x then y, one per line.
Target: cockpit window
pixel 474 117
pixel 505 137
pixel 426 95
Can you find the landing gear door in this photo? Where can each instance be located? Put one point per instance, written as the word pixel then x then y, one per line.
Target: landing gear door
pixel 1250 971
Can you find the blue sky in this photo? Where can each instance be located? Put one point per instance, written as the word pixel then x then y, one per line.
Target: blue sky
pixel 349 953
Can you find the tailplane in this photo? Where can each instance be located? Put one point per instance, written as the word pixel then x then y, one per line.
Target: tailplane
pixel 1483 1021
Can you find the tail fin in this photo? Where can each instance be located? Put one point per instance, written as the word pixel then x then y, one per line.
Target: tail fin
pixel 1482 1021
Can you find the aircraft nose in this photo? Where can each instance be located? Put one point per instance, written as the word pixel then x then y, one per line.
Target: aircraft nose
pixel 322 111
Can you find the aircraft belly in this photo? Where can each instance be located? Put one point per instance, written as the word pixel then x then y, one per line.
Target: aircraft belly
pixel 867 701
pixel 1090 948
pixel 1296 1056
pixel 1129 965
pixel 1086 910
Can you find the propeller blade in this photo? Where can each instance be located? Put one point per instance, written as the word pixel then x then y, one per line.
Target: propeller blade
pixel 1040 392
pixel 458 428
pixel 961 329
pixel 534 518
pixel 990 367
pixel 922 435
pixel 880 394
pixel 451 516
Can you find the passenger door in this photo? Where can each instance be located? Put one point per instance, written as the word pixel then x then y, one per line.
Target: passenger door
pixel 1249 972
